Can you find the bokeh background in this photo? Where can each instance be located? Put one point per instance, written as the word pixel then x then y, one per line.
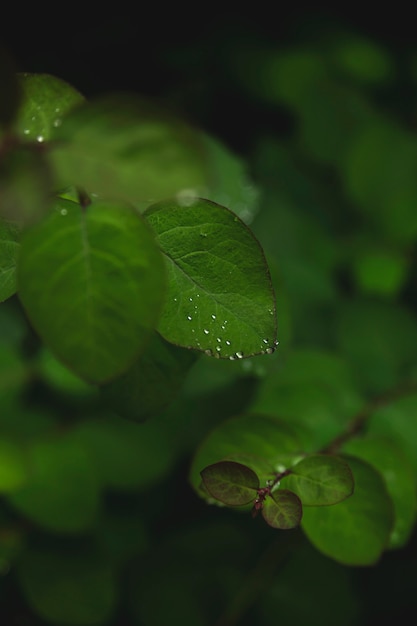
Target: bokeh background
pixel 321 107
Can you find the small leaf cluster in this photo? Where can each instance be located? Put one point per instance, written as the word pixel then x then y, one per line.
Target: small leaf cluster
pixel 313 481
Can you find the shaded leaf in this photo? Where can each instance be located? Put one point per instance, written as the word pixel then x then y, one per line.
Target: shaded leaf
pixel 25 185
pixel 220 298
pixel 320 480
pixel 65 586
pixel 14 467
pixel 282 509
pixel 151 383
pixel 62 493
pixel 9 246
pixel 92 285
pixel 232 483
pixel 130 149
pixel 356 531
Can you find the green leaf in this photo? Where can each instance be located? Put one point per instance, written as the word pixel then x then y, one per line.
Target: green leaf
pixel 356 531
pixel 62 493
pixel 263 444
pixel 314 389
pixel 152 382
pixel 67 586
pixel 320 480
pixel 220 298
pixel 92 284
pixel 45 100
pixel 128 148
pixel 229 482
pixel 389 459
pixel 282 509
pixel 14 468
pixel 9 246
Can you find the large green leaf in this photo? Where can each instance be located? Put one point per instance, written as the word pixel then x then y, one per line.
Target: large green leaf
pixel 320 480
pixel 220 298
pixel 130 149
pixel 92 285
pixel 264 444
pixel 9 234
pixel 67 585
pixel 14 467
pixel 356 531
pixel 389 459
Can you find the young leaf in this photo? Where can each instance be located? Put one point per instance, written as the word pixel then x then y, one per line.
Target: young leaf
pixel 92 285
pixel 220 298
pixel 127 148
pixel 151 383
pixel 232 483
pixel 282 509
pixel 356 531
pixel 9 246
pixel 320 480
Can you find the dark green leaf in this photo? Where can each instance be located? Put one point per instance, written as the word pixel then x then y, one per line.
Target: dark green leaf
pixel 152 382
pixel 356 531
pixel 45 100
pixel 283 509
pixel 232 483
pixel 9 237
pixel 220 298
pixel 320 480
pixel 92 285
pixel 67 586
pixel 129 149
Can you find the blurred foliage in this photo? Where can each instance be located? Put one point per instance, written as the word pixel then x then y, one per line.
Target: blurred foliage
pixel 98 522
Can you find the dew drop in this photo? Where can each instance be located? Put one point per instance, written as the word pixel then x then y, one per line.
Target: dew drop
pixel 208 352
pixel 57 122
pixel 218 348
pixel 40 138
pixel 218 339
pixel 205 331
pixel 217 355
pixel 239 355
pixel 265 341
pixel 228 342
pixel 203 234
pixel 270 350
pixel 276 343
pixel 63 211
pixel 189 318
pixel 223 327
pixel 232 357
pixel 213 317
pixel 190 299
pixel 175 299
